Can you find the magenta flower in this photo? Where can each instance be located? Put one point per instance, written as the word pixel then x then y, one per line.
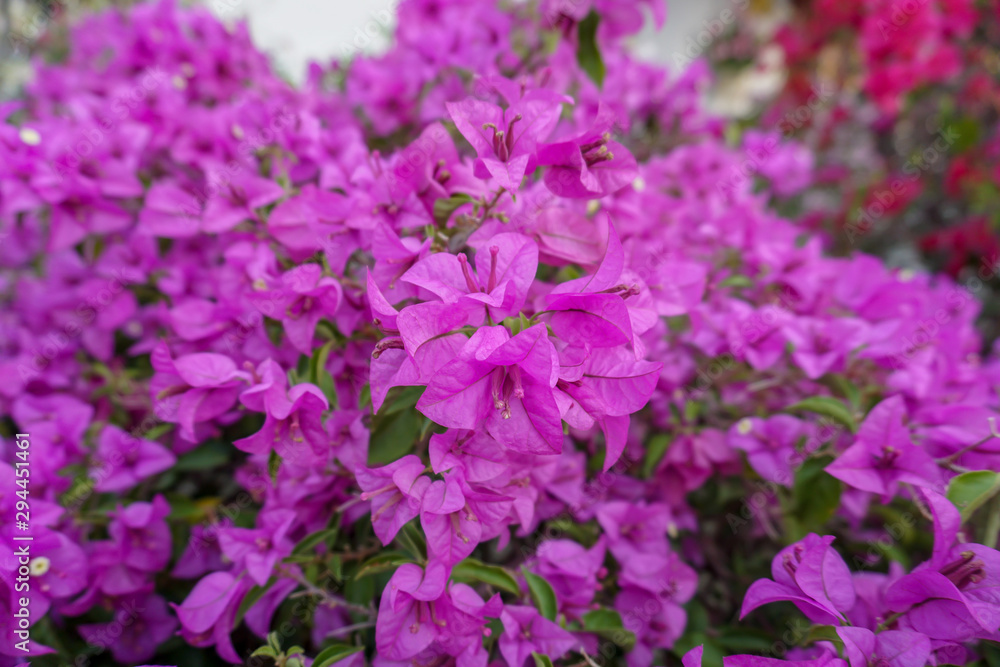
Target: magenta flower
pixel 259 549
pixel 193 388
pixel 573 572
pixel 589 166
pixel 505 268
pixel 893 648
pixel 953 596
pixel 883 456
pixel 207 613
pixel 238 200
pixel 139 625
pixel 396 492
pixel 418 610
pixel 811 575
pixel 142 534
pixel 123 460
pixel 525 631
pixel 293 423
pixel 769 445
pixel 634 529
pixel 505 139
pixel 503 383
pixel 300 298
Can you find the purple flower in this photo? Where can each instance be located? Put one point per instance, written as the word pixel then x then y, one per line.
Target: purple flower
pixel 208 612
pixel 123 460
pixel 893 648
pixel 589 166
pixel 811 575
pixel 142 534
pixel 259 549
pixel 503 383
pixel 417 611
pixel 396 493
pixel 953 596
pixel 139 625
pixel 883 455
pixel 300 298
pixel 505 139
pixel 525 631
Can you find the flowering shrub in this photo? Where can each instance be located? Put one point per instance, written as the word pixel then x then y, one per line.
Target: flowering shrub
pixel 904 130
pixel 459 355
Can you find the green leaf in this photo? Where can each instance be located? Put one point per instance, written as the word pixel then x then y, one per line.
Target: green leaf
pixel 274 465
pixel 541 660
pixel 843 387
pixel 542 595
pixel 183 508
pixel 394 437
pixel 443 208
pixel 815 498
pixel 828 407
pixel 254 594
pixel 607 624
pixel 412 540
pixel 335 653
pixel 745 640
pixel 308 543
pixel 266 651
pixel 971 490
pixel 383 562
pixel 655 450
pixel 736 280
pixel 320 376
pixel 208 456
pixel 823 633
pixel 471 570
pixel 587 54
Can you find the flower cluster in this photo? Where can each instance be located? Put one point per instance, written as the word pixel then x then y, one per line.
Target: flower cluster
pixel 460 355
pixel 898 101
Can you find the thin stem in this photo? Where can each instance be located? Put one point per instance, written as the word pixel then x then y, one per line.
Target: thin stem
pixel 347 629
pixel 326 596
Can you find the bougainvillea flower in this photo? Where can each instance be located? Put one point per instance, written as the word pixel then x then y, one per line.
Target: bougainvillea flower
pixel 505 267
pixel 142 534
pixel 123 460
pixel 396 492
pixel 952 597
pixel 238 200
pixel 811 575
pixel 193 388
pixel 139 626
pixel 300 298
pixel 526 632
pixel 769 445
pixel 207 613
pixel 591 165
pixel 883 455
pixel 259 549
pixel 505 139
pixel 893 648
pixel 503 383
